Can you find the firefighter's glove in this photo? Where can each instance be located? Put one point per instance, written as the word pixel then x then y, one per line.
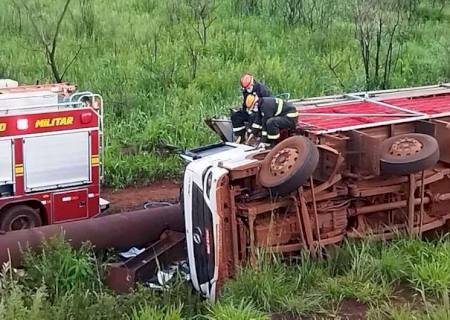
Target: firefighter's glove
pixel 263 145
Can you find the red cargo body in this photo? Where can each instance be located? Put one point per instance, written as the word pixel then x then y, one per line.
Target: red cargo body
pixel 50 155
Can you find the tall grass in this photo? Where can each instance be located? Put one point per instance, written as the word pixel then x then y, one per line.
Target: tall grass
pixel 62 283
pixel 369 272
pixel 138 55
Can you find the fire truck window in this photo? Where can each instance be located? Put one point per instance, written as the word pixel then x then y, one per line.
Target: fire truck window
pixel 56 160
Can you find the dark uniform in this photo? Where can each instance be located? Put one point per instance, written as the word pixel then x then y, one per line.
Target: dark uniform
pixel 240 117
pixel 275 114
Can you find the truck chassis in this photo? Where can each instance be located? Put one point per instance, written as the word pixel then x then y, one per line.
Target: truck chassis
pixel 382 167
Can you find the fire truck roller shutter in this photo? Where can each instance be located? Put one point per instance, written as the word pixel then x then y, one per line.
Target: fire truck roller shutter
pixel 56 160
pixel 289 165
pixel 6 164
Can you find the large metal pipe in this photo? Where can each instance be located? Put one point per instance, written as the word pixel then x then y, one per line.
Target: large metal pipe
pixel 121 230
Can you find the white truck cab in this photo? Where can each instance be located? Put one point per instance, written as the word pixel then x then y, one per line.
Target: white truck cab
pixel 206 167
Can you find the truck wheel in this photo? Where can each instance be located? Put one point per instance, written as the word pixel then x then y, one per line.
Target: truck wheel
pixel 289 165
pixel 408 153
pixel 19 217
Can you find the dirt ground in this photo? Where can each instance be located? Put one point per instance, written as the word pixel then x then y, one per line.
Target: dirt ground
pixel 133 198
pixel 350 309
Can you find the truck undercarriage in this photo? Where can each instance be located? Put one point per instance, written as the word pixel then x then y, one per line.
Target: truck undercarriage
pixel 358 166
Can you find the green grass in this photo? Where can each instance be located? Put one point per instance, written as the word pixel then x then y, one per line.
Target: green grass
pixel 63 283
pixel 137 54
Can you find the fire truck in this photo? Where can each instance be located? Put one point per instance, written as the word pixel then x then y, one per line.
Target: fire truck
pixel 51 145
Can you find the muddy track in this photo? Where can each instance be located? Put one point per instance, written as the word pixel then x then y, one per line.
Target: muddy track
pixel 133 198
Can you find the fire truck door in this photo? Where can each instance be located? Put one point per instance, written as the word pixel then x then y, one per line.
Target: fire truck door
pixel 70 205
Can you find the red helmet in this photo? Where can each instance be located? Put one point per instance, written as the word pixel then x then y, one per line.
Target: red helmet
pixel 246 80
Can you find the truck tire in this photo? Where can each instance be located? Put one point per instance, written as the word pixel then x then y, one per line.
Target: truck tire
pixel 19 217
pixel 408 153
pixel 289 165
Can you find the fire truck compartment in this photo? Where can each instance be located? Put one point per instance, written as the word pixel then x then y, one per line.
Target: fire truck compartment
pixel 11 103
pixel 6 162
pixel 72 205
pixel 56 160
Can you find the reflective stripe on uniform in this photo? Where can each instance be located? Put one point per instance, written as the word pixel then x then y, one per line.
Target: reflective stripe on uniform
pixel 264 133
pixel 273 137
pixel 256 126
pixel 238 129
pixel 280 106
pixel 292 114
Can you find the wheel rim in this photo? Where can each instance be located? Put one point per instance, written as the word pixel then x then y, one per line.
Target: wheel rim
pixel 283 162
pixel 281 165
pixel 21 222
pixel 405 147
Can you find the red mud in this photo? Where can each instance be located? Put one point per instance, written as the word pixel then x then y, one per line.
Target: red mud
pixel 350 309
pixel 133 198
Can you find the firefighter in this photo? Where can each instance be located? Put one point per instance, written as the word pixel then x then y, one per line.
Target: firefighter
pixel 244 115
pixel 274 114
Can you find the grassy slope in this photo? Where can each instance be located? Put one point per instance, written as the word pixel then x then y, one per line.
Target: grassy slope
pixel 153 98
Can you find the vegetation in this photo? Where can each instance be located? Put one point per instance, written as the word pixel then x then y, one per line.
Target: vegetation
pixel 163 66
pixel 402 279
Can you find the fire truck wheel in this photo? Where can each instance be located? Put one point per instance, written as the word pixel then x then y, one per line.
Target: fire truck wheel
pixel 19 217
pixel 408 153
pixel 289 165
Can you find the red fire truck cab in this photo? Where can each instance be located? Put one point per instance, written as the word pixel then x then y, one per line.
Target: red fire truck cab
pixel 51 142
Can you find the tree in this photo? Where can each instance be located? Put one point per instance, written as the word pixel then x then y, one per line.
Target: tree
pixel 378 24
pixel 202 17
pixel 314 14
pixel 47 36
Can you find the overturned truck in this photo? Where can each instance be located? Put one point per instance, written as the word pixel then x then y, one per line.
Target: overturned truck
pixel 372 163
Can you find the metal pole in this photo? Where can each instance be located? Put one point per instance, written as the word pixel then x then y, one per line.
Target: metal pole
pixel 422 196
pixel 411 200
pixel 316 216
pixel 384 104
pixel 331 114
